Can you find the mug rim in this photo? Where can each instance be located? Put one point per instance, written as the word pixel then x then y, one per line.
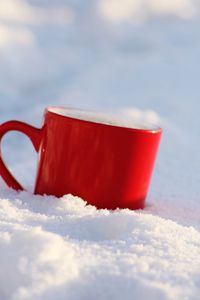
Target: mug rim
pixel 52 110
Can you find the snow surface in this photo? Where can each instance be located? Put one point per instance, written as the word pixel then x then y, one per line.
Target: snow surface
pixel 136 57
pixel 122 119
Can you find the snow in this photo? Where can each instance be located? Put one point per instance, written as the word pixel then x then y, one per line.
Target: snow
pixel 128 119
pixel 117 11
pixel 139 58
pixel 58 249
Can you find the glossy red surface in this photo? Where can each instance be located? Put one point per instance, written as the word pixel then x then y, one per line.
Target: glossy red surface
pixel 108 166
pixel 34 135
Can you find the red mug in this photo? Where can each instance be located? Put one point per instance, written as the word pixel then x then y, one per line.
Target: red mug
pixel 109 166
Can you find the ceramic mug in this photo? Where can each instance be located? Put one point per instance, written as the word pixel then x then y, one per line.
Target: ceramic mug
pixel 109 166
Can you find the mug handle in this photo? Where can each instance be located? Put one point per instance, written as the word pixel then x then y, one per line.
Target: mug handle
pixel 33 133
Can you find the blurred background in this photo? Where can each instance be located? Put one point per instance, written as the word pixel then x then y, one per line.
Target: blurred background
pixel 139 55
